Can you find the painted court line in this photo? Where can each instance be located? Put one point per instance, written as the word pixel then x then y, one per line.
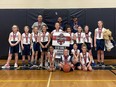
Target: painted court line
pixel 113 72
pixel 23 80
pixel 112 67
pixel 84 80
pixel 49 80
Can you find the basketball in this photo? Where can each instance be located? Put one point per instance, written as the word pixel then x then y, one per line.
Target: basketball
pixel 66 68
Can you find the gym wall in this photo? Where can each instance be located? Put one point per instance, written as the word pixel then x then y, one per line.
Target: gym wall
pixel 22 17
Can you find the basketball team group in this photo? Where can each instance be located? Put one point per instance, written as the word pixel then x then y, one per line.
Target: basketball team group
pixel 37 48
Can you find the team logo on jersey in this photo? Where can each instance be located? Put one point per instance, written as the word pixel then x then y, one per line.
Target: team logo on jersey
pixel 61 39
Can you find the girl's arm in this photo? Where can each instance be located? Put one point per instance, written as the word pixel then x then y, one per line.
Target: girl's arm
pixel 22 41
pixel 48 55
pixel 49 39
pixel 90 57
pixel 81 60
pixel 95 34
pixel 19 39
pixel 76 57
pixel 39 40
pixel 91 42
pixel 74 37
pixel 51 35
pixel 9 40
pixel 31 41
pixel 54 57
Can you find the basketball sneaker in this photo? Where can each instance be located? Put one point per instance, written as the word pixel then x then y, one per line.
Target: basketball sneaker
pixel 41 65
pixel 15 65
pixel 5 66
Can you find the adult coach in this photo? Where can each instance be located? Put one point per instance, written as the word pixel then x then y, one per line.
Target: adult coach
pixel 39 23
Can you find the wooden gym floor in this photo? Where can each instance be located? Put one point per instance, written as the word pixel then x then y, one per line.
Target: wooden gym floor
pixel 43 78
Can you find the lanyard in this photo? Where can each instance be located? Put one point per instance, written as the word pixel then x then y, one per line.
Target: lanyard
pixel 26 36
pixel 79 36
pixel 100 31
pixel 87 36
pixel 14 36
pixel 35 36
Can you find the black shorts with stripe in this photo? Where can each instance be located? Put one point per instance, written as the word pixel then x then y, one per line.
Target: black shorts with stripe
pixel 14 49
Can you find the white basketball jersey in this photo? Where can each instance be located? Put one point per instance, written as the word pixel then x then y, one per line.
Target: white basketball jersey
pixel 44 37
pixel 84 58
pixel 87 37
pixel 35 37
pixel 79 37
pixel 60 30
pixel 63 59
pixel 14 36
pixel 26 38
pixel 99 35
pixel 76 52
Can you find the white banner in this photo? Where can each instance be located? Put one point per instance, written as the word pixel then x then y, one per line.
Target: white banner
pixel 60 41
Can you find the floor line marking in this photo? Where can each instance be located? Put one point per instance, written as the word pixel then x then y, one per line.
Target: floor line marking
pixel 23 80
pixel 113 72
pixel 49 79
pixel 84 80
pixel 112 67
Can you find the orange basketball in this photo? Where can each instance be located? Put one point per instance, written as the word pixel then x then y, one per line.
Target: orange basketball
pixel 66 68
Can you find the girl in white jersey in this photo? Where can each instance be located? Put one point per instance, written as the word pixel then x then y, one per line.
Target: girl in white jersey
pixel 68 30
pixel 44 42
pixel 51 58
pixel 66 59
pixel 85 59
pixel 26 45
pixel 99 43
pixel 79 37
pixel 57 29
pixel 36 46
pixel 76 56
pixel 88 39
pixel 14 40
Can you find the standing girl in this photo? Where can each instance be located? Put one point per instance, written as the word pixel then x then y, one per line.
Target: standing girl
pixel 36 45
pixel 68 30
pixel 57 28
pixel 44 42
pixel 26 45
pixel 14 40
pixel 79 37
pixel 99 43
pixel 88 39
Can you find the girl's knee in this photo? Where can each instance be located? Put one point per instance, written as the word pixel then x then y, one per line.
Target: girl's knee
pixel 79 67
